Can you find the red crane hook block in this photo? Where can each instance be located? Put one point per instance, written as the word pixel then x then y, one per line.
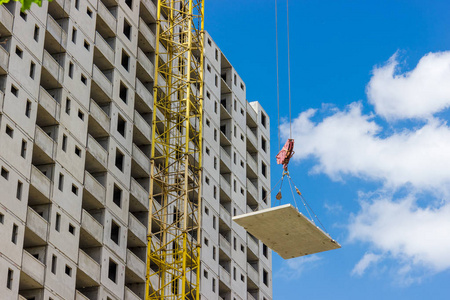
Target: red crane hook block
pixel 286 153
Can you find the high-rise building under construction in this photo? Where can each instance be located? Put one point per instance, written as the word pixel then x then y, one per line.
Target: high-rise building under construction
pixel 76 109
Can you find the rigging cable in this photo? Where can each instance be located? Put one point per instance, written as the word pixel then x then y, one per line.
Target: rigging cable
pixel 289 70
pixel 278 77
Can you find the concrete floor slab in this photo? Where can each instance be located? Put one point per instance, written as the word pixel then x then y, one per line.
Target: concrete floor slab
pixel 286 231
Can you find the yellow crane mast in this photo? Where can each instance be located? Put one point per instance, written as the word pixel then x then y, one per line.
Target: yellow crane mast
pixel 173 249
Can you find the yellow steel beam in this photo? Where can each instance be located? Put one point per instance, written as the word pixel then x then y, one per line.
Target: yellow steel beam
pixel 173 249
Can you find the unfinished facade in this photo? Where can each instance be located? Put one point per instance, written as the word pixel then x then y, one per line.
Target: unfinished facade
pixel 76 103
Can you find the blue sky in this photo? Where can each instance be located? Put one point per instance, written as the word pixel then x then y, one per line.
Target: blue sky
pixel 370 97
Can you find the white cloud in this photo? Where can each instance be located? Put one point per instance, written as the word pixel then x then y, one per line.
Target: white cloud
pixel 412 235
pixel 416 94
pixel 349 143
pixel 365 262
pixel 294 267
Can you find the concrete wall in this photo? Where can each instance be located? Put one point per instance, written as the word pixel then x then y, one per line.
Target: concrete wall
pixel 74 154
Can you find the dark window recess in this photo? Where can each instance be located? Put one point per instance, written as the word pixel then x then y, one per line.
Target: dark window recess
pixel 77 4
pixel 87 45
pixel 115 232
pixel 72 229
pixel 89 12
pixel 265 277
pixel 68 105
pixel 23 15
pixel 123 93
pixel 112 271
pixel 265 251
pixel 64 143
pixel 58 222
pixel 9 280
pixel 68 271
pixel 36 33
pixel 23 149
pixel 70 69
pixel 2 218
pixel 54 262
pixel 9 131
pixel 77 151
pixel 61 182
pixel 119 160
pixel 263 144
pixel 19 52
pixel 14 90
pixel 15 232
pixel 263 120
pixel 121 125
pixel 117 196
pixel 28 109
pixel 5 173
pixel 129 3
pixel 264 195
pixel 74 189
pixel 127 29
pixel 81 115
pixel 264 169
pixel 83 79
pixel 74 35
pixel 125 60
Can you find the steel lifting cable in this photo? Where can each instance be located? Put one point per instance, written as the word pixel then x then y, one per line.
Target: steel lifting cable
pixel 306 204
pixel 289 70
pixel 278 76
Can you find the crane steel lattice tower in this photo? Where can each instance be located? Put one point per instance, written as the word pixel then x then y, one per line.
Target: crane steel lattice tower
pixel 173 250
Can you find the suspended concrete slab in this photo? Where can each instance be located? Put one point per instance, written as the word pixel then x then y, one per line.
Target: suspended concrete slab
pixel 286 231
